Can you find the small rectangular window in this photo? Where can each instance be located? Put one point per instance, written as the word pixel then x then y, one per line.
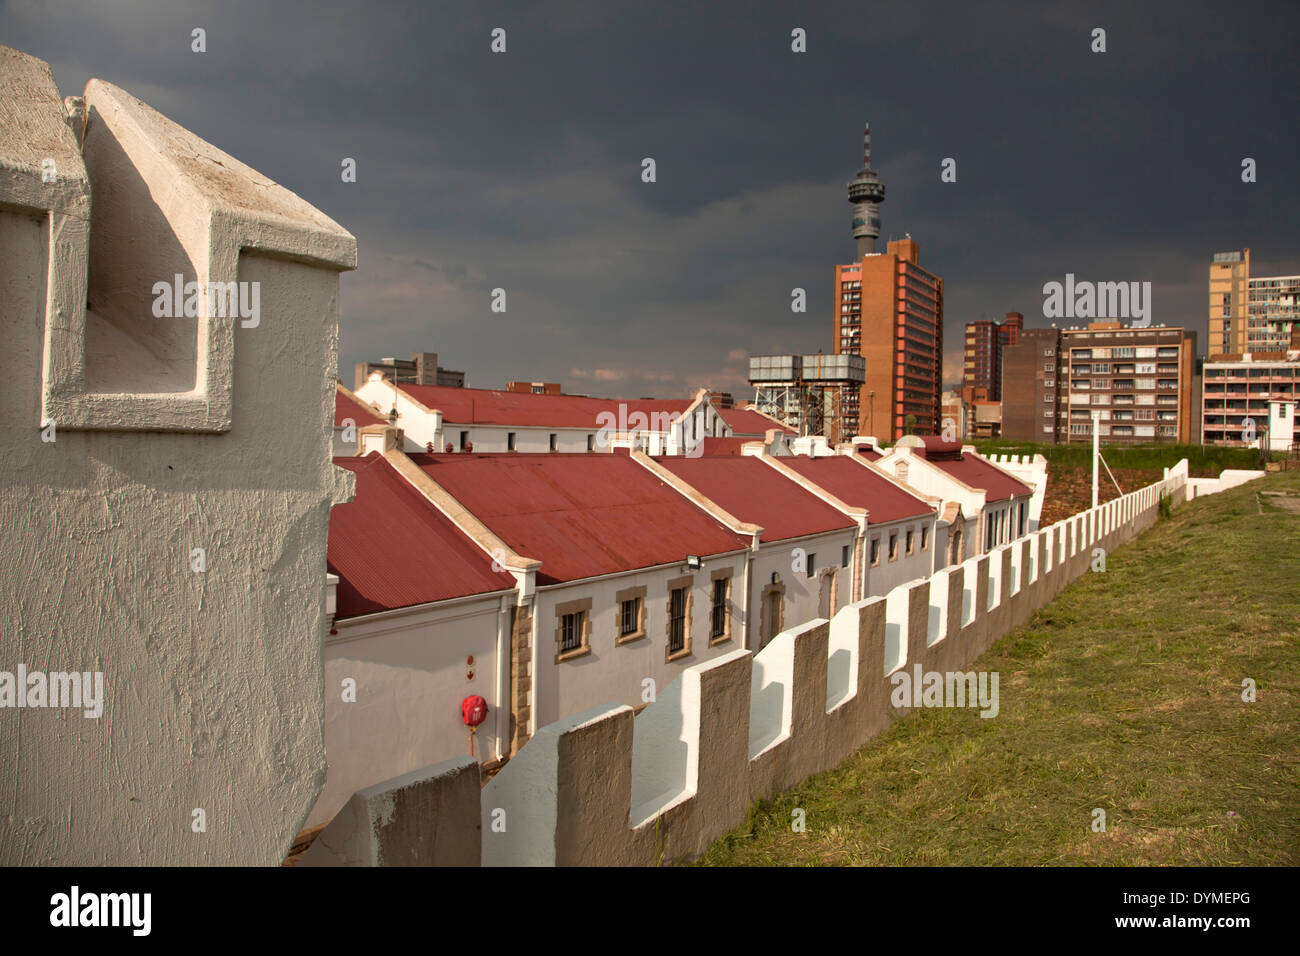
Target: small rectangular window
pixel 893 546
pixel 875 551
pixel 677 620
pixel 844 556
pixel 925 537
pixel 591 443
pixel 510 441
pixel 464 440
pixel 571 631
pixel 719 615
pixel 629 617
pixel 812 563
pixel 554 443
pixel 908 543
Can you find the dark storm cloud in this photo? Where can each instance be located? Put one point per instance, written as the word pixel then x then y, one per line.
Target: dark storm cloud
pixel 523 170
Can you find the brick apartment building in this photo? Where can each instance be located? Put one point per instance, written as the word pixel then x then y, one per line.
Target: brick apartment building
pixel 1142 381
pixel 986 341
pixel 890 311
pixel 1033 387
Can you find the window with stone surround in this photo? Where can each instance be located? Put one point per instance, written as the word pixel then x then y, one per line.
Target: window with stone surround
pixel 679 617
pixel 720 613
pixel 572 630
pixel 629 609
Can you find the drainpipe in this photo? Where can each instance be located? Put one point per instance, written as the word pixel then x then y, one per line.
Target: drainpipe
pixel 505 631
pixel 749 578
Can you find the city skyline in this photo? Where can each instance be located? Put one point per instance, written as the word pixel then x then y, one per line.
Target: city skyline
pixel 524 173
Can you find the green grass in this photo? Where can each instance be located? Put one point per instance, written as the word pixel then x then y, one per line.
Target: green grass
pixel 1124 694
pixel 1202 460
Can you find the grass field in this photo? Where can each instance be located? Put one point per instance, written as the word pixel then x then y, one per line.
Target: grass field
pixel 1202 460
pixel 1124 694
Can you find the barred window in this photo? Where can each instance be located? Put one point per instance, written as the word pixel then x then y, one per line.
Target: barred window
pixel 719 607
pixel 571 631
pixel 630 617
pixel 677 620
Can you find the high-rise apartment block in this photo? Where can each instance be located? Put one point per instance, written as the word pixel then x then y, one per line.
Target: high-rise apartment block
pixel 986 340
pixel 1033 387
pixel 889 310
pixel 1141 381
pixel 1251 314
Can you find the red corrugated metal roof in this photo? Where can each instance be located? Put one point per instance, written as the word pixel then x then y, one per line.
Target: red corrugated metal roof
pixel 756 492
pixel 724 446
pixel 481 406
pixel 359 412
pixel 391 548
pixel 860 487
pixel 581 515
pixel 974 471
pixel 744 421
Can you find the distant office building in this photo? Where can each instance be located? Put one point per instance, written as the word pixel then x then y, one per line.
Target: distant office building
pixel 986 340
pixel 1248 313
pixel 421 369
pixel 890 311
pixel 1229 275
pixel 722 399
pixel 1032 387
pixel 1237 393
pixel 534 388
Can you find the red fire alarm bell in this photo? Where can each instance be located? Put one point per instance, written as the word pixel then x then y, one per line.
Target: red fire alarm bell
pixel 474 711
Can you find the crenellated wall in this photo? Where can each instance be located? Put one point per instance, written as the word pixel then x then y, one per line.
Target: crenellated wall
pixel 607 787
pixel 165 486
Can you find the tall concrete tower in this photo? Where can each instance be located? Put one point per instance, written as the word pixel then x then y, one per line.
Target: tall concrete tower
pixel 866 192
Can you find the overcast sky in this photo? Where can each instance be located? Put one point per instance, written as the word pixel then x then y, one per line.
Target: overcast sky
pixel 522 170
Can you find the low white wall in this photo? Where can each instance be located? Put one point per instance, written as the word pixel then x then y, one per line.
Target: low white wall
pixel 1229 478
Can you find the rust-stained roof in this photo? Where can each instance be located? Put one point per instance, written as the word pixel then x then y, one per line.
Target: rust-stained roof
pixel 976 472
pixel 971 469
pixel 391 548
pixel 860 487
pixel 481 406
pixel 747 422
pixel 348 406
pixel 755 492
pixel 581 515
